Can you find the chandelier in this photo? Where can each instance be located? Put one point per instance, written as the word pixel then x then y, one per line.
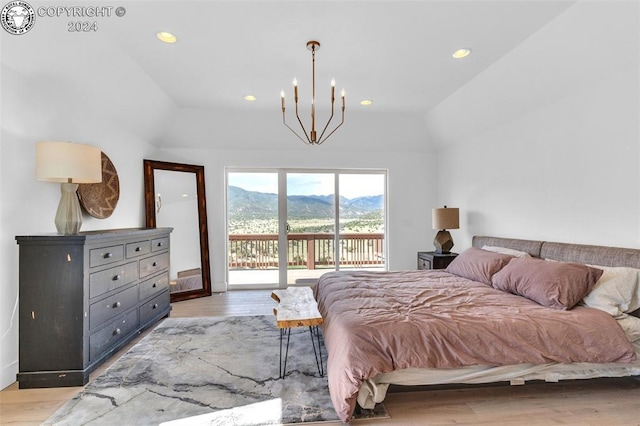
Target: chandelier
pixel 311 138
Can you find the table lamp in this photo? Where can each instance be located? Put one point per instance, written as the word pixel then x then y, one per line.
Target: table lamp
pixel 70 164
pixel 443 219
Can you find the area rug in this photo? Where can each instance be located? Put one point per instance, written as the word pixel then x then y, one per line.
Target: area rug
pixel 208 371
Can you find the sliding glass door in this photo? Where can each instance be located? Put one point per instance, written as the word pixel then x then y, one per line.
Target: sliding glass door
pixel 362 220
pixel 325 219
pixel 252 228
pixel 311 225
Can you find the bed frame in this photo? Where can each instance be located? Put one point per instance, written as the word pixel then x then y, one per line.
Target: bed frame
pixel 579 253
pixel 373 390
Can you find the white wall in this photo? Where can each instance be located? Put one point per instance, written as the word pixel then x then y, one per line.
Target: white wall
pixel 35 110
pixel 555 155
pixel 410 196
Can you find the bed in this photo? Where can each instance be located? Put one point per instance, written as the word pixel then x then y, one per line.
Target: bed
pixel 504 310
pixel 190 279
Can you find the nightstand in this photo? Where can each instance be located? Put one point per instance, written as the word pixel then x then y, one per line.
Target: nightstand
pixel 433 260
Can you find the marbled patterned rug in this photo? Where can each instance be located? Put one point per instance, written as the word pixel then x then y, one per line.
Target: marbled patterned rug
pixel 207 371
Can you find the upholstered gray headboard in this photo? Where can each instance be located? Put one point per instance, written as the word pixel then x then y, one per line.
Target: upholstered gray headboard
pixel 529 246
pixel 593 255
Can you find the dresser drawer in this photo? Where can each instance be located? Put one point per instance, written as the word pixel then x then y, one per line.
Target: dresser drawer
pixel 434 260
pixel 424 263
pixel 154 307
pixel 105 255
pixel 104 310
pixel 158 244
pixel 138 249
pixel 153 264
pixel 112 333
pixel 153 286
pixel 104 281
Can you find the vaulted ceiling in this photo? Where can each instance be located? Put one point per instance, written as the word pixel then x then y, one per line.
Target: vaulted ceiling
pixel 397 53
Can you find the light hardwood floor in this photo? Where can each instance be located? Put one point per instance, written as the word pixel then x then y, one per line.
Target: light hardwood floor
pixel 585 402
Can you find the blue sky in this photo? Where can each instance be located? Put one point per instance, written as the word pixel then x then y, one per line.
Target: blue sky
pixel 351 185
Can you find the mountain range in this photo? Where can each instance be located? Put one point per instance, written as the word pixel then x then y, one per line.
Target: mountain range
pixel 243 204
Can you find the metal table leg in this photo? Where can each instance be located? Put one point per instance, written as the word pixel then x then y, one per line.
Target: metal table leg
pixel 318 354
pixel 283 368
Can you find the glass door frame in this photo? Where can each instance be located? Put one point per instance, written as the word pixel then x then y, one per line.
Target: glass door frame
pixel 282 217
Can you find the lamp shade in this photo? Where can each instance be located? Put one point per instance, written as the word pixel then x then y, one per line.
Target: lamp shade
pixel 446 218
pixel 68 162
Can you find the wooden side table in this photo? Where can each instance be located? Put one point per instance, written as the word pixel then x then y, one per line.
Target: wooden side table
pixel 297 308
pixel 433 260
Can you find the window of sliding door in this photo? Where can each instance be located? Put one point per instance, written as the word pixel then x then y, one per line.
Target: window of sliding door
pixel 326 220
pixel 311 226
pixel 252 229
pixel 362 221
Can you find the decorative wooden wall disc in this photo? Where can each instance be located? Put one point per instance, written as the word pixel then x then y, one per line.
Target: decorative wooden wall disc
pixel 100 199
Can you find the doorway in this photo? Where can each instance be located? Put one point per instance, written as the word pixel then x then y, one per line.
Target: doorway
pixel 301 210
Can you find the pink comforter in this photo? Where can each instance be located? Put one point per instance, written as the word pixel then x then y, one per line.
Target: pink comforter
pixel 377 322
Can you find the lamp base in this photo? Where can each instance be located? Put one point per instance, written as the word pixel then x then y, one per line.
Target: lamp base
pixel 443 242
pixel 69 216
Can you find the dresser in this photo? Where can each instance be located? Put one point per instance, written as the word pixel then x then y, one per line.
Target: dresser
pixel 82 297
pixel 433 260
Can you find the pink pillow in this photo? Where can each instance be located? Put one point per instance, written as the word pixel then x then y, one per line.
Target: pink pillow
pixel 557 285
pixel 478 265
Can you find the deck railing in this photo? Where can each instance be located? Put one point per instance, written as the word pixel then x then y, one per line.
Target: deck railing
pixel 305 251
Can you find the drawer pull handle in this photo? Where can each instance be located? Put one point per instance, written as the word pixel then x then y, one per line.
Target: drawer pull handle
pixel 160 244
pixel 107 255
pixel 116 305
pixel 154 264
pixel 116 277
pixel 155 305
pixel 118 331
pixel 154 285
pixel 138 249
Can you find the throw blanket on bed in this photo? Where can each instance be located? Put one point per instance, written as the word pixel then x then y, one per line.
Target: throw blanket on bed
pixel 377 322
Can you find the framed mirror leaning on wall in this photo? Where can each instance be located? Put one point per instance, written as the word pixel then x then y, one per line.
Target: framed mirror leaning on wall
pixel 174 196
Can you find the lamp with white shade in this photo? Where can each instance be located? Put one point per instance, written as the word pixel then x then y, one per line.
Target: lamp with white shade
pixel 443 219
pixel 70 164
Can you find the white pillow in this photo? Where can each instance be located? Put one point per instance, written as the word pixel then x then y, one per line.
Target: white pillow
pixel 504 250
pixel 631 327
pixel 616 292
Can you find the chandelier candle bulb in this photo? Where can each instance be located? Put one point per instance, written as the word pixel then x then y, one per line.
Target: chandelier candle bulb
pixel 282 98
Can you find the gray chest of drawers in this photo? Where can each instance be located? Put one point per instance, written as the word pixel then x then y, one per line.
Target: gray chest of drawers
pixel 83 297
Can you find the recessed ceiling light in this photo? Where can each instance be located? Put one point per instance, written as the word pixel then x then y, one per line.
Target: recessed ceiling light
pixel 366 102
pixel 185 195
pixel 249 98
pixel 461 53
pixel 166 37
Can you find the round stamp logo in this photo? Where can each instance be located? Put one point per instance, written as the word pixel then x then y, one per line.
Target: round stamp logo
pixel 17 17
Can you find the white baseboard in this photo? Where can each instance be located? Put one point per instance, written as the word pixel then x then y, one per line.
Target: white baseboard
pixel 8 374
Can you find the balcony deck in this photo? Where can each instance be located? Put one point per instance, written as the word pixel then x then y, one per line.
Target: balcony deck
pixel 253 258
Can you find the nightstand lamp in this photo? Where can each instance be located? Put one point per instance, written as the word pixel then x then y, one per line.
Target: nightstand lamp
pixel 70 164
pixel 443 219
